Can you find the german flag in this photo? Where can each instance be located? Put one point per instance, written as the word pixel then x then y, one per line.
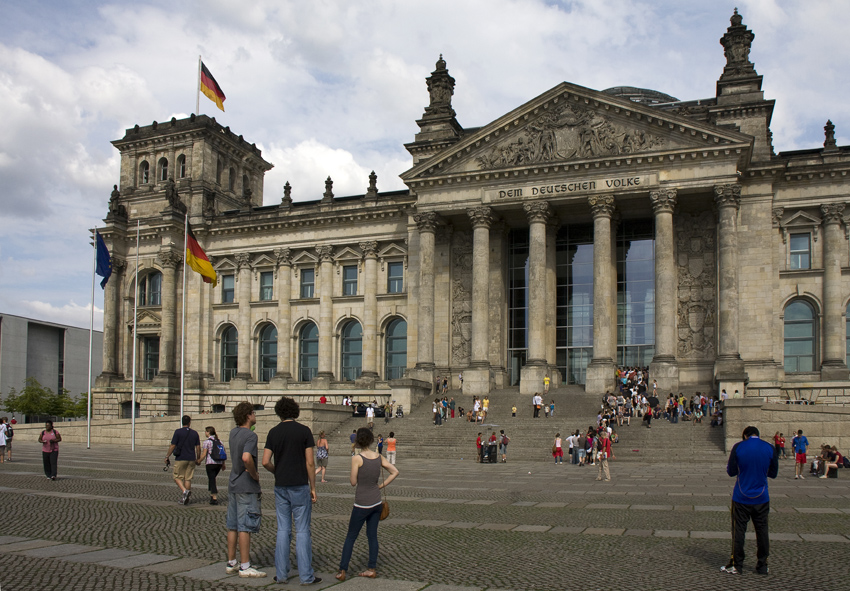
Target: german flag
pixel 197 259
pixel 211 89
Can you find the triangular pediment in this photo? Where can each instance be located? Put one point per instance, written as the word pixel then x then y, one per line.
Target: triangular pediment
pixel 801 218
pixel 392 250
pixel 305 258
pixel 148 319
pixel 263 260
pixel 224 264
pixel 573 124
pixel 347 253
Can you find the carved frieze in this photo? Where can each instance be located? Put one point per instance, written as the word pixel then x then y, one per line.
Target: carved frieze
pixel 461 319
pixel 697 285
pixel 565 132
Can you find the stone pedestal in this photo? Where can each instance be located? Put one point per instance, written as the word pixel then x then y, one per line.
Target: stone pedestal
pixel 321 382
pixel 476 381
pixel 531 378
pixel 600 377
pixel 666 373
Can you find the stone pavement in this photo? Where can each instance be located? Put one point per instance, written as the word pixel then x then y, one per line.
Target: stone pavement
pixel 111 521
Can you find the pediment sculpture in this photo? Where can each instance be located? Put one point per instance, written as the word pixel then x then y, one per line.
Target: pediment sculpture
pixel 569 131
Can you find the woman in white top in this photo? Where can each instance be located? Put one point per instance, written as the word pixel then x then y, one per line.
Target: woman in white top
pixel 557 450
pixel 213 467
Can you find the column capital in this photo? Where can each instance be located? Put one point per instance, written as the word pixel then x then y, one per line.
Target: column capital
pixel 833 213
pixel 169 259
pixel 727 195
pixel 663 200
pixel 370 249
pixel 283 256
pixel 427 221
pixel 243 260
pixel 117 264
pixel 481 217
pixel 537 211
pixel 601 205
pixel 325 253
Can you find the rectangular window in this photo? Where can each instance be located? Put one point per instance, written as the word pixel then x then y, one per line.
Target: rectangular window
pixel 395 277
pixel 266 285
pixel 349 280
pixel 308 283
pixel 635 292
pixel 801 251
pixel 228 289
pixel 150 359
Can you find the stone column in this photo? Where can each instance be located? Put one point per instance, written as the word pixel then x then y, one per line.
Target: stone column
pixel 325 312
pixel 729 368
pixel 664 367
pixel 552 302
pixel 111 305
pixel 169 260
pixel 284 312
pixel 536 367
pixel 600 370
pixel 476 378
pixel 243 295
pixel 427 224
pixel 369 374
pixel 834 366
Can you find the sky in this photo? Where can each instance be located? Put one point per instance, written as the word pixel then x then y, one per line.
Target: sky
pixel 334 88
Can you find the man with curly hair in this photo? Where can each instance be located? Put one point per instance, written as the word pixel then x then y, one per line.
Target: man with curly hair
pixel 243 503
pixel 289 456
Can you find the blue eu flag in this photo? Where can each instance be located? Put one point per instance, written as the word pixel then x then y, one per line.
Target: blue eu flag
pixel 104 264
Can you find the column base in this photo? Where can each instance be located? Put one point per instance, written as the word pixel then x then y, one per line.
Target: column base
pixel 531 377
pixel 322 381
pixel 367 379
pixel 280 381
pixel 500 377
pixel 834 371
pixel 601 376
pixel 476 381
pixel 666 371
pixel 730 375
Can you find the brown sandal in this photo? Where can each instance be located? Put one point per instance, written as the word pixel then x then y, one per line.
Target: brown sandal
pixel 340 576
pixel 369 573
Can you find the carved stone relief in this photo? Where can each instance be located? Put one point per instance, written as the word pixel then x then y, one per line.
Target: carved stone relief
pixel 569 131
pixel 697 306
pixel 461 274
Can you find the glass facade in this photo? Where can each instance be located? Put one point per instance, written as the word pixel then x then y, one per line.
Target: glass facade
pixel 396 343
pixel 308 358
pixel 635 293
pixel 517 303
pixel 574 302
pixel 799 337
pixel 352 351
pixel 229 353
pixel 268 353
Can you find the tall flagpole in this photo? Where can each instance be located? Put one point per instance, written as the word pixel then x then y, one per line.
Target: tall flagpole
pixel 183 315
pixel 135 341
pixel 198 94
pixel 91 336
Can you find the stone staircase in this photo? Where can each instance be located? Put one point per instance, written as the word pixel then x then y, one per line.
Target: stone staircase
pixel 532 439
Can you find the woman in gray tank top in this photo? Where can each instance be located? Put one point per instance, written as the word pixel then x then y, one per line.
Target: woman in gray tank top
pixel 365 475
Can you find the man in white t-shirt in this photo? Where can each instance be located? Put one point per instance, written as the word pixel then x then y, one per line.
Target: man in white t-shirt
pixel 536 402
pixel 370 416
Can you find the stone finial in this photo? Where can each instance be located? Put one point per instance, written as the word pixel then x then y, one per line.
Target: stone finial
pixel 663 200
pixel 440 89
pixel 372 191
pixel 601 205
pixel 426 222
pixel 286 202
pixel 537 211
pixel 481 217
pixel 736 46
pixel 328 196
pixel 116 210
pixel 829 133
pixel 727 195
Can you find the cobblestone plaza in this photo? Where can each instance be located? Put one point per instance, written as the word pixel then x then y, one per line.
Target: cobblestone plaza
pixel 112 521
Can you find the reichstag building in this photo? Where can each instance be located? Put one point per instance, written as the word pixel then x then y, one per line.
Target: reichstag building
pixel 582 231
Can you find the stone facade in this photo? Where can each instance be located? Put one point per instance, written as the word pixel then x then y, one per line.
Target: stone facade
pixel 715 261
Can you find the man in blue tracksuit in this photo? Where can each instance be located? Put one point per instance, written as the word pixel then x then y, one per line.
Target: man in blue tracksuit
pixel 753 461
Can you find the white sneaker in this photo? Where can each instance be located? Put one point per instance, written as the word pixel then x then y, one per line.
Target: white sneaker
pixel 252 572
pixel 730 570
pixel 231 570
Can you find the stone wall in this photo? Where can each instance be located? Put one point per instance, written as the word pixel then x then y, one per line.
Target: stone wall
pixel 820 423
pixel 818 393
pixel 158 431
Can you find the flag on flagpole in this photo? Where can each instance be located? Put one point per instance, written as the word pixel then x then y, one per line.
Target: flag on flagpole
pixel 104 263
pixel 211 88
pixel 197 259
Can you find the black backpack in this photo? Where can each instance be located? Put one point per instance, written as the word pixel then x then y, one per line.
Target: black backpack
pixel 217 453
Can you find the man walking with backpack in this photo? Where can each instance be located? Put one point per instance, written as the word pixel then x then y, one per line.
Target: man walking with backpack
pixel 187 445
pixel 504 440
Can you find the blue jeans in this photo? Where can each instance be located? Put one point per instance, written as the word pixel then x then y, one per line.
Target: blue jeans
pixel 359 516
pixel 293 502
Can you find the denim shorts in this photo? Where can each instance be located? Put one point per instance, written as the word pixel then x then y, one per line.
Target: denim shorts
pixel 582 453
pixel 243 512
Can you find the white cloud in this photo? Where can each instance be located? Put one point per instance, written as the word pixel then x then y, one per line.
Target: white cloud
pixel 70 313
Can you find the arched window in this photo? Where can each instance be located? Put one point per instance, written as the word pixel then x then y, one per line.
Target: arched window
pixel 308 359
pixel 219 168
pixel 231 179
pixel 163 169
pixel 268 353
pixel 352 350
pixel 246 184
pixel 150 289
pixel 799 337
pixel 229 353
pixel 396 349
pixel 181 166
pixel 144 172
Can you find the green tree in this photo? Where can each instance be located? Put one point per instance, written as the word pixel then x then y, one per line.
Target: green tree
pixel 81 406
pixel 33 399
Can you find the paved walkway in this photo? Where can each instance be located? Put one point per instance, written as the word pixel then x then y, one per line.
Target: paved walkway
pixel 111 521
